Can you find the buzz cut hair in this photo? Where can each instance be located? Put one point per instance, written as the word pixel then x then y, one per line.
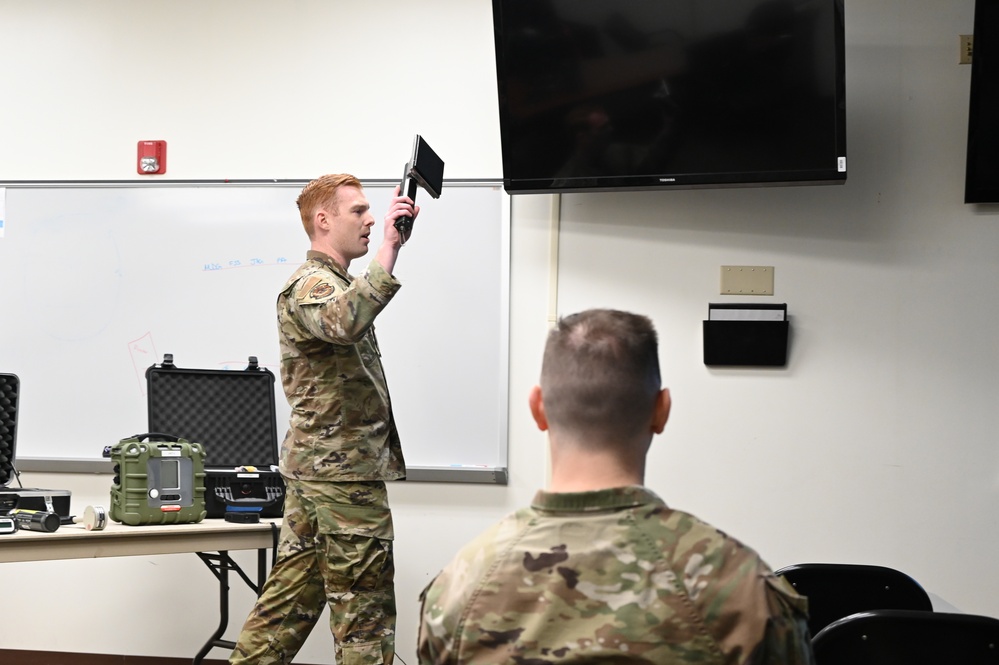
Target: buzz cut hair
pixel 600 376
pixel 322 193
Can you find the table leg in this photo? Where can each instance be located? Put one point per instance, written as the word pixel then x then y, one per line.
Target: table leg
pixel 220 564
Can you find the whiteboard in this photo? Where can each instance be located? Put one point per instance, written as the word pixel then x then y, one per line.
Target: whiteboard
pixel 97 283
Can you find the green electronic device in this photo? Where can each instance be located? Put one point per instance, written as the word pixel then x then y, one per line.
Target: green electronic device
pixel 159 479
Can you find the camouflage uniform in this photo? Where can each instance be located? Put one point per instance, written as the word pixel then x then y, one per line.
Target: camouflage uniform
pixel 341 418
pixel 336 541
pixel 612 576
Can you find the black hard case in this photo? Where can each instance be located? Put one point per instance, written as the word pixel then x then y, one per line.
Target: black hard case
pixel 231 413
pixel 26 498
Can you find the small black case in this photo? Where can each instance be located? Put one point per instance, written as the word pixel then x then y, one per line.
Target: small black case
pixel 231 413
pixel 26 498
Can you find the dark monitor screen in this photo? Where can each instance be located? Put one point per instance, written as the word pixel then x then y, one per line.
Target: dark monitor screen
pixel 635 94
pixel 169 474
pixel 981 183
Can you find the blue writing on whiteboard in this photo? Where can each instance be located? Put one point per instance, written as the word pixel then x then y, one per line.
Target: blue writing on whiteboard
pixel 256 261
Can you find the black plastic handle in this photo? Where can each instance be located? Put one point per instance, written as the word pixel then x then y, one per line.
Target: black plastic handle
pixel 156 436
pixel 407 187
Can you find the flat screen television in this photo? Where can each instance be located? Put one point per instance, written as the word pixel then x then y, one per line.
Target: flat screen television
pixel 658 94
pixel 981 180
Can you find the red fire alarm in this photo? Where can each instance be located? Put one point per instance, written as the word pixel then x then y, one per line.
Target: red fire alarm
pixel 152 157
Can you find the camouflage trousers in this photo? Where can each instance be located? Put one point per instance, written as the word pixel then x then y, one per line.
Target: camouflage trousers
pixel 335 549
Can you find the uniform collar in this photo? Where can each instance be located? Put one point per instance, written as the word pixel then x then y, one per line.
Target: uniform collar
pixel 614 498
pixel 327 260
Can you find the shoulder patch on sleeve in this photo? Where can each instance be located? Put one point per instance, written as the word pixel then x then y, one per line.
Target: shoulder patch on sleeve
pixel 320 290
pixel 314 289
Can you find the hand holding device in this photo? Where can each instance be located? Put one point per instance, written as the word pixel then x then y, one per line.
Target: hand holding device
pixel 425 169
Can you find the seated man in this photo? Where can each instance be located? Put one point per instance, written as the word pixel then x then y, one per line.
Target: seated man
pixel 599 569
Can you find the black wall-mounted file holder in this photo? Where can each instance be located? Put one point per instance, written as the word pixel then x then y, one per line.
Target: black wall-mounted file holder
pixel 746 335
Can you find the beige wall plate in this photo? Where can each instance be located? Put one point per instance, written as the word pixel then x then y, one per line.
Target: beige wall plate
pixel 747 280
pixel 967 49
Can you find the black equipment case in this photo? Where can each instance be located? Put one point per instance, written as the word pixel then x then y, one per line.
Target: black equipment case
pixel 231 413
pixel 25 498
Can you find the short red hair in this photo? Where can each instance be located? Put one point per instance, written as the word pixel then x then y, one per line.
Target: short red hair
pixel 322 193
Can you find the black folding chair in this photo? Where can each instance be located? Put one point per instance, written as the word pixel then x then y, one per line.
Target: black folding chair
pixel 908 637
pixel 836 590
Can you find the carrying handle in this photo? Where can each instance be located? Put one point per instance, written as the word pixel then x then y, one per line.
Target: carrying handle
pixel 156 436
pixel 152 436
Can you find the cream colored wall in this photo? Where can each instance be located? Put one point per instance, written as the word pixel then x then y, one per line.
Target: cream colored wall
pixel 245 88
pixel 875 445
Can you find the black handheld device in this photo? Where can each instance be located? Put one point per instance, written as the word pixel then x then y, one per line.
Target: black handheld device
pixel 7 525
pixel 424 169
pixel 35 520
